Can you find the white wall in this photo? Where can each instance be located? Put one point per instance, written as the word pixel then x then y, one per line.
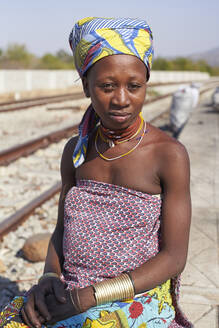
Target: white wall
pixel 177 76
pixel 28 80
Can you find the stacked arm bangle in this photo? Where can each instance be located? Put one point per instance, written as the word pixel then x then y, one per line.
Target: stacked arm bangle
pixel 119 288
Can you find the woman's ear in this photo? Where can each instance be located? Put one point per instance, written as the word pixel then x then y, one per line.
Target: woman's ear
pixel 85 86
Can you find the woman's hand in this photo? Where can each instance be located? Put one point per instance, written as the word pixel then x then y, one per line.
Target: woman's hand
pixel 36 310
pixel 60 311
pixel 77 301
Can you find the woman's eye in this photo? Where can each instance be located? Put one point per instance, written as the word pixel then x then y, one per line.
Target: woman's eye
pixel 107 86
pixel 134 86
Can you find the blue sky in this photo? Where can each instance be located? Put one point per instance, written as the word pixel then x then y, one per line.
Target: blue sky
pixel 179 27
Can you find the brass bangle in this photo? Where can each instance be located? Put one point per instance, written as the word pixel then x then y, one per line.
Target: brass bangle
pixel 48 274
pixel 130 276
pixel 72 300
pixel 75 300
pixel 78 300
pixel 119 288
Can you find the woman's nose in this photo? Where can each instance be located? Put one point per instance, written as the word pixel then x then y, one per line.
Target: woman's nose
pixel 120 97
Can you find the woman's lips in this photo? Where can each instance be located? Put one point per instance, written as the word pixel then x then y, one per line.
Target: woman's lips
pixel 119 117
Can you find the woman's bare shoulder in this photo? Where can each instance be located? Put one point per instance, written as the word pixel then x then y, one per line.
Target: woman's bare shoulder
pixel 168 151
pixel 164 143
pixel 172 161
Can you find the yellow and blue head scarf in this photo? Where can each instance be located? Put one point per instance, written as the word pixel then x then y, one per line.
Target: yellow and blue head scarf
pixel 94 38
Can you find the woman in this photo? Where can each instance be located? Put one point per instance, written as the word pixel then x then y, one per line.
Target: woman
pixel 118 248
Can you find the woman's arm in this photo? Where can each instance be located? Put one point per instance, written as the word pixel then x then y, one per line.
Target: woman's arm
pixel 35 310
pixel 174 174
pixel 54 258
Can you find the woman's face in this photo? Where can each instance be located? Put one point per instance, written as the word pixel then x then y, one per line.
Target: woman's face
pixel 117 87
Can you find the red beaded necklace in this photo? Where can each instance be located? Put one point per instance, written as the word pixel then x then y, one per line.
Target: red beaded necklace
pixel 119 136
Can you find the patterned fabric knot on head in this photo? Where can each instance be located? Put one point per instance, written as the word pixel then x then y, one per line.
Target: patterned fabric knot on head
pixel 94 38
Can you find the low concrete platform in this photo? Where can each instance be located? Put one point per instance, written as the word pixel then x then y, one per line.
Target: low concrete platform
pixel 200 280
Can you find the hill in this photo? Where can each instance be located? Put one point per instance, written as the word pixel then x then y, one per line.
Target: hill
pixel 211 57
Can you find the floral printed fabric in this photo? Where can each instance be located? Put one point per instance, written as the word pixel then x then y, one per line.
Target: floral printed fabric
pixel 10 317
pixel 150 310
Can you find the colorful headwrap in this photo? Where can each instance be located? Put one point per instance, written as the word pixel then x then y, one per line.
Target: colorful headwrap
pixel 94 38
pixel 86 127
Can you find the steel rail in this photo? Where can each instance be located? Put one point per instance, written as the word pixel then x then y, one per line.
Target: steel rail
pixel 21 215
pixel 11 154
pixel 38 98
pixel 33 102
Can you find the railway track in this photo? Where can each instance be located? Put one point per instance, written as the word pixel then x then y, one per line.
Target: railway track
pixel 32 102
pixel 21 215
pixel 9 155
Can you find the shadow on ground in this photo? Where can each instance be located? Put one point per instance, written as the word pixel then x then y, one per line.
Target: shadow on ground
pixel 167 128
pixel 8 290
pixel 211 111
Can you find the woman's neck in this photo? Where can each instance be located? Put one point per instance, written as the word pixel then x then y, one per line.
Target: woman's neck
pixel 118 136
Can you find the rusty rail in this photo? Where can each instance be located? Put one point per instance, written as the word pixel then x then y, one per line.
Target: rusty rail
pixel 33 102
pixel 21 215
pixel 9 155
